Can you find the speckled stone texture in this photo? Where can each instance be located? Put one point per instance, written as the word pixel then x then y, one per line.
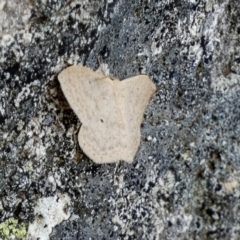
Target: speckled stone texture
pixel 184 181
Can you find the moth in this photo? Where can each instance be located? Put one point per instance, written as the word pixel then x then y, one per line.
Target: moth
pixel 111 111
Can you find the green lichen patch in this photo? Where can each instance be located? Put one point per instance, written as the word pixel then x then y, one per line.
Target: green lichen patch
pixel 11 227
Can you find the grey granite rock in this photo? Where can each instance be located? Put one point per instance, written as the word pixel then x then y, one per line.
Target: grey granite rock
pixel 184 181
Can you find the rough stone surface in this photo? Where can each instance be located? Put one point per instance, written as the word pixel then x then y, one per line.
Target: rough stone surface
pixel 184 181
pixel 14 15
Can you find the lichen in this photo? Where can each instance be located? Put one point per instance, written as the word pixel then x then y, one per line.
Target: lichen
pixel 11 227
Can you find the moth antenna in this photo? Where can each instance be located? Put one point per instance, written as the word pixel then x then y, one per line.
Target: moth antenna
pixel 100 64
pixel 117 167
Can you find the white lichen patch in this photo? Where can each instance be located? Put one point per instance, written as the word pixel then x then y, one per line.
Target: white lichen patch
pixel 26 91
pixel 14 15
pixel 223 70
pixel 49 212
pixel 7 40
pixel 230 186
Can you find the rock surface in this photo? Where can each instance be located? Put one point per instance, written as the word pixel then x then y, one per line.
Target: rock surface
pixel 184 181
